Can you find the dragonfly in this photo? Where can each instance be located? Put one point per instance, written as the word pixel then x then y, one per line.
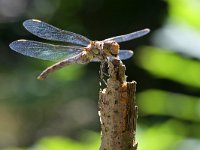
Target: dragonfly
pixel 82 51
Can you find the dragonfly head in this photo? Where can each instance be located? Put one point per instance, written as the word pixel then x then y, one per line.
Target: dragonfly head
pixel 111 48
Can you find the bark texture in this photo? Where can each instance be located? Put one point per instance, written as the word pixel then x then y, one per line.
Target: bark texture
pixel 118 110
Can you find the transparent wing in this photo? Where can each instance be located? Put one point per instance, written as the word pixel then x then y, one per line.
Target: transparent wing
pixel 130 36
pixel 123 54
pixel 44 51
pixel 49 32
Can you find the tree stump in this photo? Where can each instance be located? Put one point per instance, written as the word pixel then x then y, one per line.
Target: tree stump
pixel 118 110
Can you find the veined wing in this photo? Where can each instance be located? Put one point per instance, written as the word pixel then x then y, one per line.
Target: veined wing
pixel 49 32
pixel 130 36
pixel 45 51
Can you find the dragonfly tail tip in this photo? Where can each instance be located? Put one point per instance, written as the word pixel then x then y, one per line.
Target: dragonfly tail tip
pixel 40 78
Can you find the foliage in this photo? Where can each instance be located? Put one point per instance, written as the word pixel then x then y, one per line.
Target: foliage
pixel 54 114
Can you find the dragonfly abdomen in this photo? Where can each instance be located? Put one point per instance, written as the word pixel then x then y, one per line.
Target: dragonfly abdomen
pixel 73 60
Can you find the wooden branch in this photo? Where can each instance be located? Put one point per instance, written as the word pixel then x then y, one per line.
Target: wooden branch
pixel 118 110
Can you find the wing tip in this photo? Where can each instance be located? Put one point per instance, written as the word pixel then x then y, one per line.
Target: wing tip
pixel 141 33
pixel 125 54
pixel 35 20
pixel 27 23
pixel 146 30
pixel 11 45
pixel 131 53
pixel 14 44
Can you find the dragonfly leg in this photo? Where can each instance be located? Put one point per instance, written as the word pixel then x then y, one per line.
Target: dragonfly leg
pixel 59 65
pixel 106 74
pixel 102 74
pixel 104 81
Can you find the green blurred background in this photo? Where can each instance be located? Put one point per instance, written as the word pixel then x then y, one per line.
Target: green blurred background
pixel 60 113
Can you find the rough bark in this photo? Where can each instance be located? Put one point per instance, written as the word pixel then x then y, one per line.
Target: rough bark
pixel 118 110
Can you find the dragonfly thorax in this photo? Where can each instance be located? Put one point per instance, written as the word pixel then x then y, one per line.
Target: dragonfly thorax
pixel 103 49
pixel 111 48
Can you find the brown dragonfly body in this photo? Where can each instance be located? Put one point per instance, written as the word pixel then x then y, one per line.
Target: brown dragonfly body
pixel 87 51
pixel 96 51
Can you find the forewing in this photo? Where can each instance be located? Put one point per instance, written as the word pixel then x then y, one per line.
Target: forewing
pixel 49 32
pixel 44 51
pixel 130 36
